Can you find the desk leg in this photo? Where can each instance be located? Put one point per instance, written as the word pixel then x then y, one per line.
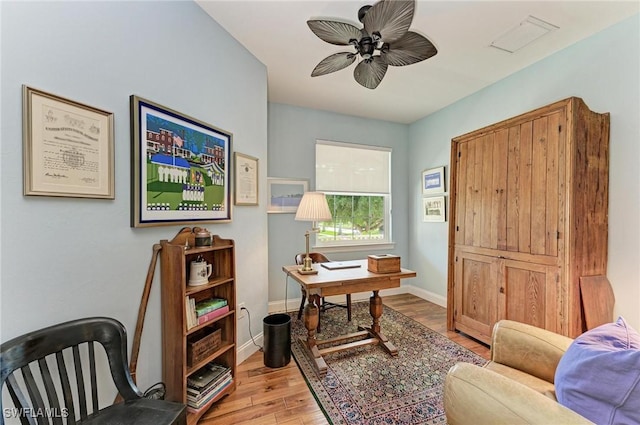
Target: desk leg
pixel 375 309
pixel 311 320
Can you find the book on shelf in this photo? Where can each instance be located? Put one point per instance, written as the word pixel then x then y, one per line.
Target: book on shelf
pixel 190 312
pixel 194 318
pixel 198 395
pixel 205 306
pixel 206 375
pixel 213 314
pixel 199 403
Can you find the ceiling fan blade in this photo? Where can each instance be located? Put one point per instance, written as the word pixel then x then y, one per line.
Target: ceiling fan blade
pixel 335 32
pixel 334 63
pixel 390 19
pixel 370 72
pixel 410 48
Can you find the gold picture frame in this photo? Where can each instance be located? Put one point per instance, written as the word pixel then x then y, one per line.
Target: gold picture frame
pixel 68 147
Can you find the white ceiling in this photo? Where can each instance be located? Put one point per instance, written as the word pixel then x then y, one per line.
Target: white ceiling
pixel 277 34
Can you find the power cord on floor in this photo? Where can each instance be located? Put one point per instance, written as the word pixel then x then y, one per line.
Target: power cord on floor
pixel 250 334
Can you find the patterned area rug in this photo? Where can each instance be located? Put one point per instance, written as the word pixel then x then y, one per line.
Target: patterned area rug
pixel 367 386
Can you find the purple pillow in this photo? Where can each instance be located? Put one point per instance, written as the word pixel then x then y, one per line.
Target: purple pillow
pixel 599 375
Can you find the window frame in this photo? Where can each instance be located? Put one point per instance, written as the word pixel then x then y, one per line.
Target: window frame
pixel 352 245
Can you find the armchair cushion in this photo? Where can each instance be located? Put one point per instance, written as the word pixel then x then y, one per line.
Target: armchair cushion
pixel 599 375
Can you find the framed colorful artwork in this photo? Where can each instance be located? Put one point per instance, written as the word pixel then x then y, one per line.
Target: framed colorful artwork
pixel 180 168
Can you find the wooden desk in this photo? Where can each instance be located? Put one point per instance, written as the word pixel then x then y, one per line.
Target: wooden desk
pixel 340 282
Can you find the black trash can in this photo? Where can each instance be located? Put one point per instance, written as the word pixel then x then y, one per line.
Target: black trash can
pixel 277 340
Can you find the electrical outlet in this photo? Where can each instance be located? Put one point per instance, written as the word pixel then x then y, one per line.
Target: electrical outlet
pixel 241 312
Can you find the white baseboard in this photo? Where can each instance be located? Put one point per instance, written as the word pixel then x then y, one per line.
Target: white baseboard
pixel 248 348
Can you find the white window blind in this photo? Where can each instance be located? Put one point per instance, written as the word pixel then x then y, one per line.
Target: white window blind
pixel 346 167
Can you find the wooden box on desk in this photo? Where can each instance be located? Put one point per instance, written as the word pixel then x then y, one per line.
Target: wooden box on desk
pixel 384 263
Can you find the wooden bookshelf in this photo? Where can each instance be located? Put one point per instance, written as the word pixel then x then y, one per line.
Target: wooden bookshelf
pixel 175 269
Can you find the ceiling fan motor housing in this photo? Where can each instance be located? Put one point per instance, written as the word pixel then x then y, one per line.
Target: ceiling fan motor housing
pixel 366 47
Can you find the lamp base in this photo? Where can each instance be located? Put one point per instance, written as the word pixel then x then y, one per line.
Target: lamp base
pixel 312 271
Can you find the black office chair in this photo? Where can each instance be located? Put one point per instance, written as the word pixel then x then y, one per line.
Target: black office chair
pixel 317 257
pixel 51 359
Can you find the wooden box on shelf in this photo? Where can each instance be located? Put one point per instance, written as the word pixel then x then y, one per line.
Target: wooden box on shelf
pixel 178 330
pixel 202 344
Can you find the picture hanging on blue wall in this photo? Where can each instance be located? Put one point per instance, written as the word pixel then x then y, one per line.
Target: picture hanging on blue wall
pixel 180 168
pixel 433 181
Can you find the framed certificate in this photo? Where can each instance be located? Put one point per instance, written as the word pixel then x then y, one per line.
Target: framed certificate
pixel 246 179
pixel 68 147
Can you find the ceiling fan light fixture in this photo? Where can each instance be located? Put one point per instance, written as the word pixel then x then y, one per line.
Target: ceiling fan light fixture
pixel 385 29
pixel 525 33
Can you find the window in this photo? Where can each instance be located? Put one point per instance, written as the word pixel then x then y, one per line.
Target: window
pixel 356 180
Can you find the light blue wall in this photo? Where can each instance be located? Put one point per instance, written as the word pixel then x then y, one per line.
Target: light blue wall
pixel 604 71
pixel 292 135
pixel 65 258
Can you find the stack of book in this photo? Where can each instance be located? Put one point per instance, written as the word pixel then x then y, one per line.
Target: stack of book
pixel 204 311
pixel 204 385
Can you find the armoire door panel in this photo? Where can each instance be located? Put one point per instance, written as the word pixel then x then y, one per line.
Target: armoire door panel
pixel 545 190
pixel 461 193
pixel 524 188
pixel 486 203
pixel 498 224
pixel 476 292
pixel 539 186
pixel 525 294
pixel 513 188
pixel 529 294
pixel 555 139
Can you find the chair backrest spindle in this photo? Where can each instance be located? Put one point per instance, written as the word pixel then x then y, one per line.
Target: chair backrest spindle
pixel 66 388
pixel 52 394
pixel 94 378
pixel 82 400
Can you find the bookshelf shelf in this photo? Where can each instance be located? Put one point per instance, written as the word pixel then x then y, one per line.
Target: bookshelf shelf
pixel 176 333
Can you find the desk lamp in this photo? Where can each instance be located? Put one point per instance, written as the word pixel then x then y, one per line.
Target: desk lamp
pixel 313 207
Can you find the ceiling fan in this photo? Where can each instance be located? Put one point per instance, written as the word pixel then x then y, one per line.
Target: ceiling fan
pixel 385 40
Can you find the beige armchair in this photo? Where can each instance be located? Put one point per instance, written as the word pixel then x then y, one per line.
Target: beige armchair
pixel 516 386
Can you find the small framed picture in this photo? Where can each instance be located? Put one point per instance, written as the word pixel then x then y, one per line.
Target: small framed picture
pixel 285 194
pixel 246 179
pixel 433 209
pixel 433 181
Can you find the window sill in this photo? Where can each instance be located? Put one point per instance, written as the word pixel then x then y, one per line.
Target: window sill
pixel 353 248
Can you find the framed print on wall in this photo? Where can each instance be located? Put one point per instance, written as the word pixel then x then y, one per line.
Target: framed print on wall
pixel 68 147
pixel 433 209
pixel 285 194
pixel 180 168
pixel 433 181
pixel 246 179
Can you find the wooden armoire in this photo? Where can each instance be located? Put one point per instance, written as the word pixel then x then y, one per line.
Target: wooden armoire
pixel 528 218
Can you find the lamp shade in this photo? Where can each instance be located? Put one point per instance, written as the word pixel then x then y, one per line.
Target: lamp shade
pixel 313 207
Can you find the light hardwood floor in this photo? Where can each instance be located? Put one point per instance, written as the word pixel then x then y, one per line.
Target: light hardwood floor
pixel 266 396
